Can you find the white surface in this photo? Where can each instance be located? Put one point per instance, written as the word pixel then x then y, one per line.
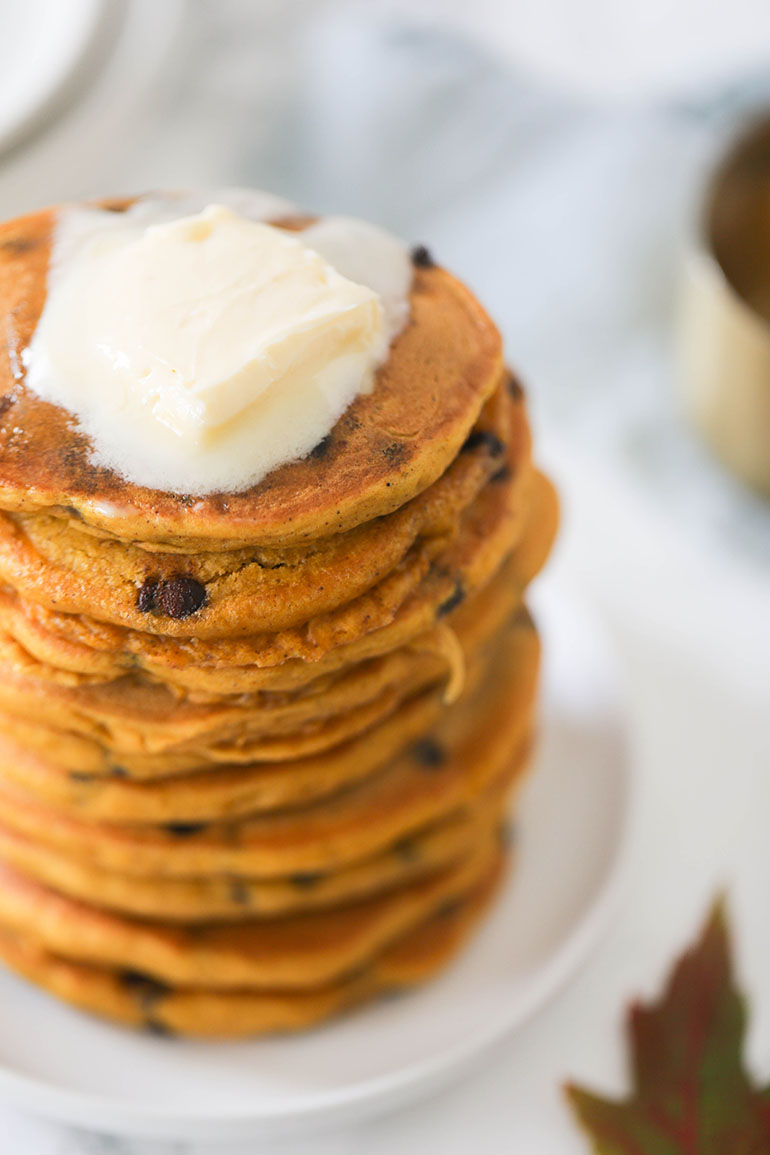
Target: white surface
pixel 656 583
pixel 570 834
pixel 42 43
pixel 615 48
pixel 100 109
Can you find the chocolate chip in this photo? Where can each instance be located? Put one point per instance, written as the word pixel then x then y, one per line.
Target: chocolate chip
pixel 422 258
pixel 305 879
pixel 515 391
pixel 156 1027
pixel 145 601
pixel 17 246
pixel 6 401
pixel 502 474
pixel 322 448
pixel 177 598
pixel 81 776
pixel 145 989
pixel 406 850
pixel 453 601
pixel 184 829
pixel 483 437
pixel 508 834
pixel 118 772
pixel 450 907
pixel 239 892
pixel 429 753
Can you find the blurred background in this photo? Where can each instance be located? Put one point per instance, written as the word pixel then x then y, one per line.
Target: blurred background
pixel 555 153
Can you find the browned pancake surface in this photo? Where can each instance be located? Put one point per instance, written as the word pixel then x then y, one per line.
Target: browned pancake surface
pixel 137 1000
pixel 388 446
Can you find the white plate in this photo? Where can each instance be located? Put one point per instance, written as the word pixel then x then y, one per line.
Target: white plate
pixel 572 827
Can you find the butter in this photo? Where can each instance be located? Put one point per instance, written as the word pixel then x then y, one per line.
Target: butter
pixel 201 352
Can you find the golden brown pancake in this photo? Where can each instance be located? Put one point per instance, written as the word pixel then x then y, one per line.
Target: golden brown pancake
pixel 88 756
pixel 230 791
pixel 223 792
pixel 472 747
pixel 256 749
pixel 84 760
pixel 390 444
pixel 74 650
pixel 102 654
pixel 132 717
pixel 61 580
pixel 233 897
pixel 134 999
pixel 154 719
pixel 38 650
pixel 90 651
pixel 308 951
pixel 52 562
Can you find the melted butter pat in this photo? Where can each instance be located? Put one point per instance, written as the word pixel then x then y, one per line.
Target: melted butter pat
pixel 201 352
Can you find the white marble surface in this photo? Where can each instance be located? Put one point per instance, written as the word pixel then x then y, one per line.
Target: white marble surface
pixel 570 222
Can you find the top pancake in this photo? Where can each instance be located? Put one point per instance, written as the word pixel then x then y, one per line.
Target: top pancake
pixel 387 447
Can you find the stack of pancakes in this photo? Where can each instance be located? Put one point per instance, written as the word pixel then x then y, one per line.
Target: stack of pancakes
pixel 257 749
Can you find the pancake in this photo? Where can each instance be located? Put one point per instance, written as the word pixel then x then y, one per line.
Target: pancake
pixel 88 756
pixel 390 444
pixel 131 716
pixel 228 792
pixel 203 670
pixel 417 617
pixel 55 564
pixel 234 897
pixel 473 745
pixel 74 650
pixel 88 765
pixel 257 748
pixel 134 1000
pixel 311 950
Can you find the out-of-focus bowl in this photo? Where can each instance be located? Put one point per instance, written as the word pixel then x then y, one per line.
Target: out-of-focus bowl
pixel 725 323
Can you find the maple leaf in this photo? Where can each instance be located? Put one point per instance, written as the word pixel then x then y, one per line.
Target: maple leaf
pixel 692 1094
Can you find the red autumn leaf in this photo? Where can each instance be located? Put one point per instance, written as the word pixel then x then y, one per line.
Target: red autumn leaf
pixel 692 1094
